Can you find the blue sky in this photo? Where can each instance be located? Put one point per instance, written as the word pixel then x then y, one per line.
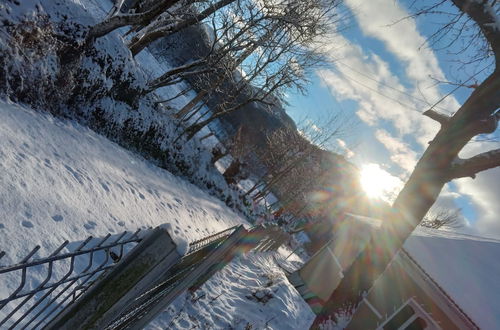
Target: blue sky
pixel 384 76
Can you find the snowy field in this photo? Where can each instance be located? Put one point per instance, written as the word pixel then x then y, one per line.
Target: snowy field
pixel 63 181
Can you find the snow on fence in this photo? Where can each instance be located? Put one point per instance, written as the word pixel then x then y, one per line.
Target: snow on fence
pixel 121 287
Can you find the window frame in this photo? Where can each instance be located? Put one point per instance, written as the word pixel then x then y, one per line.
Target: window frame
pixel 418 312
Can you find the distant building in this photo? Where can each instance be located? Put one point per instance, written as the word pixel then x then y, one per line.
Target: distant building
pixel 439 280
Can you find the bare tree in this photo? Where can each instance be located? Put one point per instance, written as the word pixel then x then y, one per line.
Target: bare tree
pixel 285 49
pixel 292 159
pixel 438 165
pixel 227 38
pixel 442 218
pixel 166 24
pixel 116 19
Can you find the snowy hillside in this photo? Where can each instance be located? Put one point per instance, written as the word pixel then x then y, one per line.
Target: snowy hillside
pixel 466 267
pixel 62 181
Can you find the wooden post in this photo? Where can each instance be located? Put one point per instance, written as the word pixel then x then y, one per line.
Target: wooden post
pixel 112 293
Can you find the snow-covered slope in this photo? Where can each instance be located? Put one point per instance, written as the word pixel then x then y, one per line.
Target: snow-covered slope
pixel 60 180
pixel 466 267
pixel 250 293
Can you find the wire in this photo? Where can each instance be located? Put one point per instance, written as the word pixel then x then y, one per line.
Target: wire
pixel 409 107
pixel 388 86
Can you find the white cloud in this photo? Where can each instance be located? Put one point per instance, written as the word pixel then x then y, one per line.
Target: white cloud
pixel 483 192
pixel 401 153
pixel 367 78
pixel 344 148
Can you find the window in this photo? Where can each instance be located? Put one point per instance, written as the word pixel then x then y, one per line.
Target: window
pixel 409 317
pixel 398 319
pixel 418 323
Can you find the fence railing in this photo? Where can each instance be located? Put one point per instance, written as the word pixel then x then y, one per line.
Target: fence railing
pixel 147 271
pixel 49 284
pixel 201 243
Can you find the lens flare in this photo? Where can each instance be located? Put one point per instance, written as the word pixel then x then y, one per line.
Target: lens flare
pixel 378 183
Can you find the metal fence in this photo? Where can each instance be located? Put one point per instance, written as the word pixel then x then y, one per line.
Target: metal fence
pixel 203 254
pixel 205 241
pixel 49 284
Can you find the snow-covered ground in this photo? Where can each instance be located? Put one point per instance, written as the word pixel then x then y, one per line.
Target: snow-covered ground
pixel 466 267
pixel 250 293
pixel 62 181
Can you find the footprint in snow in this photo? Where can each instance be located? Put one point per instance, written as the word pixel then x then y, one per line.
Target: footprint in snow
pixel 57 218
pixel 90 225
pixel 75 174
pixel 27 224
pixel 47 163
pixel 121 223
pixel 142 196
pixel 2 226
pixel 104 186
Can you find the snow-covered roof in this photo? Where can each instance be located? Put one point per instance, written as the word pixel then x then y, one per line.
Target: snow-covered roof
pixel 466 267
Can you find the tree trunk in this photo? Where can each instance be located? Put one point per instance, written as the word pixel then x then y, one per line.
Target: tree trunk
pixel 410 207
pixel 232 171
pixel 218 152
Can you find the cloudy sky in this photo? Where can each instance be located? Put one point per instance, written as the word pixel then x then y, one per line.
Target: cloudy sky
pixel 384 75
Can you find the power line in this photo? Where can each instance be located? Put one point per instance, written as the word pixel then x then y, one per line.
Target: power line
pixel 409 107
pixel 388 86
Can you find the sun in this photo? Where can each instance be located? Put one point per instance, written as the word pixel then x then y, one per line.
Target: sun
pixel 378 183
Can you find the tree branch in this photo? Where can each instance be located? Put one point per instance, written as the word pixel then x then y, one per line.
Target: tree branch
pixel 485 126
pixel 439 117
pixel 484 15
pixel 462 168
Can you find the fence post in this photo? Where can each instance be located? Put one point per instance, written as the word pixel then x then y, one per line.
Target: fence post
pixel 216 256
pixel 111 293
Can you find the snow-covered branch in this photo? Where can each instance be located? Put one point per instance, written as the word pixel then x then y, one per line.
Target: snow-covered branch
pixel 116 19
pixel 461 168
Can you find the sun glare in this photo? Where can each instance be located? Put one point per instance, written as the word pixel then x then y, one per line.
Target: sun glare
pixel 378 183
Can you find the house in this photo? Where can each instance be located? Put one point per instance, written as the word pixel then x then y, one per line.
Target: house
pixel 439 280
